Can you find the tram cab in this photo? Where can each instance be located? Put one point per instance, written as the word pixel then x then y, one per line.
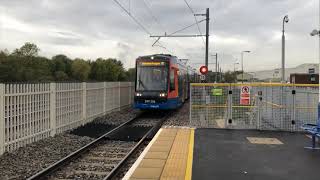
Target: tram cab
pixel 161 82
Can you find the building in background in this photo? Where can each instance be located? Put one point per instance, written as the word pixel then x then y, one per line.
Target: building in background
pixel 299 78
pixel 274 75
pixel 247 77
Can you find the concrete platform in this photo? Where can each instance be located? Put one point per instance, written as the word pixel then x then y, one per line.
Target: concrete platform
pixel 168 156
pixel 246 154
pixel 184 153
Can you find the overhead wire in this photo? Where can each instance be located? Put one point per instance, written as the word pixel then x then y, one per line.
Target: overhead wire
pixel 137 22
pixel 187 27
pixel 152 15
pixel 192 12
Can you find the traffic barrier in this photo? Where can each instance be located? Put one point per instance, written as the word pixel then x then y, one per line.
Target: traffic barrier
pixel 31 112
pixel 263 106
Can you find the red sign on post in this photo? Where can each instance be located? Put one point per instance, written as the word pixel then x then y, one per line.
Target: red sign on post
pixel 203 69
pixel 245 95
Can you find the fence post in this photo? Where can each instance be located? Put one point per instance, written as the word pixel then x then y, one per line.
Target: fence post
pixel 84 102
pixel 259 105
pixel 104 98
pixel 2 124
pixel 228 120
pixel 293 115
pixel 53 125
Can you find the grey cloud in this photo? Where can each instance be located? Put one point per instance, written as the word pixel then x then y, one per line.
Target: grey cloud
pixel 87 22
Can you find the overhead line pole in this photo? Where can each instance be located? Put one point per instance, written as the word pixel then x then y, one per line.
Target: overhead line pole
pixel 216 66
pixel 196 35
pixel 207 36
pixel 216 71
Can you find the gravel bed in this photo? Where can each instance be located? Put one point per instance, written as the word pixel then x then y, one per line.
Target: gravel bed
pixel 97 163
pixel 131 160
pixel 180 117
pixel 117 117
pixel 26 161
pixel 146 122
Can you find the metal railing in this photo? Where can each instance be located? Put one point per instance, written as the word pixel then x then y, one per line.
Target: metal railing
pixel 263 106
pixel 31 112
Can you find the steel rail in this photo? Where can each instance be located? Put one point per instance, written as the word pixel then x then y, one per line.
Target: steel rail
pixel 52 168
pixel 143 139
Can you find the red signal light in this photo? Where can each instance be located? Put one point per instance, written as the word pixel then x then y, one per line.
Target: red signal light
pixel 203 69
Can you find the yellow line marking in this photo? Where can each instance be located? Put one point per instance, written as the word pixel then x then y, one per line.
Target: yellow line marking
pixel 140 158
pixel 244 106
pixel 188 175
pixel 254 84
pixel 219 106
pixel 211 106
pixel 301 107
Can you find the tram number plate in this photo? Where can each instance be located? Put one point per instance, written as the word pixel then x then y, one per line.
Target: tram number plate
pixel 150 101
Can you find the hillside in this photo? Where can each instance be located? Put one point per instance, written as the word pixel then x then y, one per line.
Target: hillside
pixel 276 73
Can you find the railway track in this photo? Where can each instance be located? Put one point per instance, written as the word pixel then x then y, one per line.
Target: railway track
pixel 104 157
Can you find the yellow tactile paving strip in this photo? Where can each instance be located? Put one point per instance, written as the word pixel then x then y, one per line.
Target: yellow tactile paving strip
pixel 169 157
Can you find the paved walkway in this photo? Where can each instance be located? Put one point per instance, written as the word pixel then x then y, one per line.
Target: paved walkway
pixel 206 154
pixel 250 155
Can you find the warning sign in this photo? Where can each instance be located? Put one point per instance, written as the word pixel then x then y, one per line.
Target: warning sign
pixel 245 95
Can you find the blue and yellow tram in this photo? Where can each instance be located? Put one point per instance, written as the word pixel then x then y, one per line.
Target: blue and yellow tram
pixel 162 82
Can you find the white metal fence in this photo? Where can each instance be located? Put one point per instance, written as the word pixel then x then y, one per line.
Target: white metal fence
pixel 30 112
pixel 264 106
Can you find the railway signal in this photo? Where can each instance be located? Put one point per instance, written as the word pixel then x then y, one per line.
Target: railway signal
pixel 203 70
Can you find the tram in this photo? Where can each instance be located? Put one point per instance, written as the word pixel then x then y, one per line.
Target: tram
pixel 162 82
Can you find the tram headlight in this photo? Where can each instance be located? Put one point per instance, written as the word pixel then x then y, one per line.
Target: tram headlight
pixel 162 94
pixel 138 94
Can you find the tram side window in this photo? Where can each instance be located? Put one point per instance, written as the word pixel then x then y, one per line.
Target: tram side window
pixel 172 84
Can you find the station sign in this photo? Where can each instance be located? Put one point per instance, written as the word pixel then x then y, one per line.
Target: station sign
pixel 245 95
pixel 203 69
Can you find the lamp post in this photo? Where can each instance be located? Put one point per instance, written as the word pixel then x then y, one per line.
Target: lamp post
pixel 242 63
pixel 216 77
pixel 234 71
pixel 234 66
pixel 315 33
pixel 283 78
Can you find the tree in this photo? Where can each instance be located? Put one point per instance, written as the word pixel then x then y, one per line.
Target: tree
pixel 230 77
pixel 107 70
pixel 61 67
pixel 4 53
pixel 131 74
pixel 80 69
pixel 24 65
pixel 27 50
pixel 22 69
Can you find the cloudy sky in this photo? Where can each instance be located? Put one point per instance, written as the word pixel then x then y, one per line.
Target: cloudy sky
pixel 100 28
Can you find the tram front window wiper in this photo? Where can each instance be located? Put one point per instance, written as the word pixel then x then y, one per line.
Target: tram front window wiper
pixel 141 83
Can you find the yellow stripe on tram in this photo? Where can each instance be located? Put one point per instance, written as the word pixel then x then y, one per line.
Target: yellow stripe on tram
pixel 188 175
